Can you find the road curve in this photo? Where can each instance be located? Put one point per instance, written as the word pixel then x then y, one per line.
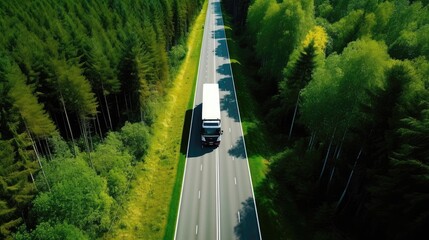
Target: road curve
pixel 217 199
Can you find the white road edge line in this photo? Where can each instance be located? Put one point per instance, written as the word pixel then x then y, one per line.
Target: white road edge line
pixel 239 219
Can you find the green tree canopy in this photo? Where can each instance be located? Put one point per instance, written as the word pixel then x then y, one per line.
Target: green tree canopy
pixel 78 196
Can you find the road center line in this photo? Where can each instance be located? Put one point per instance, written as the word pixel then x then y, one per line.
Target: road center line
pixel 201 167
pixel 199 194
pixel 235 180
pixel 196 230
pixel 238 214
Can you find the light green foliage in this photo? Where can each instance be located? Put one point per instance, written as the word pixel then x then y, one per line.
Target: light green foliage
pixel 412 43
pixel 318 109
pixel 333 99
pixel 286 22
pixel 421 66
pixel 135 138
pixel 112 161
pixel 117 182
pixel 33 114
pixel 403 26
pixel 60 231
pixel 323 9
pixel 111 154
pixel 346 29
pixel 383 15
pixel 255 14
pixel 74 89
pixel 78 196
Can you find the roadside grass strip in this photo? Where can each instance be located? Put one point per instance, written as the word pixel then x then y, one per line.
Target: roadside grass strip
pixel 151 209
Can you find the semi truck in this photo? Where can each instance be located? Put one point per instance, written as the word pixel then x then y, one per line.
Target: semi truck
pixel 211 130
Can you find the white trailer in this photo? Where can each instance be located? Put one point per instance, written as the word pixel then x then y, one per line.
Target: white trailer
pixel 211 123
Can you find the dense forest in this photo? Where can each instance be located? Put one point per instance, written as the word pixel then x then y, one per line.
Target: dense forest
pixel 344 91
pixel 71 72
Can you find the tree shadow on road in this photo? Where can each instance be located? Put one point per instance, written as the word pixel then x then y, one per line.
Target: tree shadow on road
pixel 228 101
pixel 221 49
pixel 238 150
pixel 247 228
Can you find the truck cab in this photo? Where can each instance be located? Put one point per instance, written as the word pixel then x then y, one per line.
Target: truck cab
pixel 211 132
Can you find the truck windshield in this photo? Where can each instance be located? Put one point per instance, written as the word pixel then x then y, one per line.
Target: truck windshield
pixel 211 131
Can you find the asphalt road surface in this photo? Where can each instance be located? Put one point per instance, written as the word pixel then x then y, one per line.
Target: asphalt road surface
pixel 217 199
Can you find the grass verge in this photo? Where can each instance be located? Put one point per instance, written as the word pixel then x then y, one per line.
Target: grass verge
pixel 260 146
pixel 151 209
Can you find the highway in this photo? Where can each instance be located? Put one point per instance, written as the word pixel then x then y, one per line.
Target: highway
pixel 217 199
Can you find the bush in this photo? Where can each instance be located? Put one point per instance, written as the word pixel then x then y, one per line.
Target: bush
pixel 78 196
pixel 135 137
pixel 61 231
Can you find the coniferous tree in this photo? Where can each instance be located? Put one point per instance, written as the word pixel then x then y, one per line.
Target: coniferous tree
pixel 15 189
pixel 63 66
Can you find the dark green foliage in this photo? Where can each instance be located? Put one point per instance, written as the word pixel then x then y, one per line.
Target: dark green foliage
pixel 292 173
pixel 75 53
pixel 176 55
pixel 297 76
pixel 74 70
pixel 359 166
pixel 17 158
pixel 402 190
pixel 238 10
pixel 301 74
pixel 135 138
pixel 15 190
